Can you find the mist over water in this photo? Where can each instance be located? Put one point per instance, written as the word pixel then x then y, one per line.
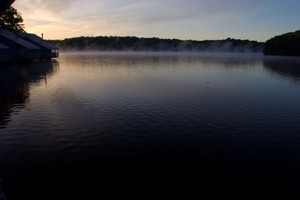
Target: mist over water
pixel 151 126
pixel 135 44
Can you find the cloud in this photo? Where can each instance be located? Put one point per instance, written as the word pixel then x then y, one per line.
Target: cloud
pixel 168 12
pixel 161 18
pixel 56 6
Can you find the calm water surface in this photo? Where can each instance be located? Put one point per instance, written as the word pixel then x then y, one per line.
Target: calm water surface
pixel 151 126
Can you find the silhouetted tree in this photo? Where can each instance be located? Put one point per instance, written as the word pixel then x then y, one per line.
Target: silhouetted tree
pixel 12 20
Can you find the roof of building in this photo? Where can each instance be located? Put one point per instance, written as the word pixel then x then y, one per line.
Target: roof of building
pixel 2 46
pixel 38 40
pixel 18 40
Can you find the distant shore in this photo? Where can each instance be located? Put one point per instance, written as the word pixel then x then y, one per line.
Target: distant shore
pixel 134 44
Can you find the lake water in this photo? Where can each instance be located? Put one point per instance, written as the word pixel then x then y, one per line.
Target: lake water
pixel 151 126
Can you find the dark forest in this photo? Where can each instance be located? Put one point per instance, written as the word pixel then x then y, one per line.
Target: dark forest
pixel 114 43
pixel 287 44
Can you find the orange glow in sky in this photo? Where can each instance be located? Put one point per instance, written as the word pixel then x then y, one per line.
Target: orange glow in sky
pixel 193 19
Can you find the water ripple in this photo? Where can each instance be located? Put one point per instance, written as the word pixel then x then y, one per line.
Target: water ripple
pixel 140 121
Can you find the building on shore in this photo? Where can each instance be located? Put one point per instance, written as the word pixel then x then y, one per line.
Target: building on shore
pixel 4 51
pixel 48 50
pixel 19 47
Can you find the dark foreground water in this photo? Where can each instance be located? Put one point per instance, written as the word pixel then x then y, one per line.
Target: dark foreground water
pixel 151 126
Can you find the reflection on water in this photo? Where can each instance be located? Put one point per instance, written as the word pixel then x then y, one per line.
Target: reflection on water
pixel 150 126
pixel 155 60
pixel 287 67
pixel 15 81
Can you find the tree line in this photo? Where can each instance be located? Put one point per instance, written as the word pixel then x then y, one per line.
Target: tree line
pixel 115 43
pixel 287 44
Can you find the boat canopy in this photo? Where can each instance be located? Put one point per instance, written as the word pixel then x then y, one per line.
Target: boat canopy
pixel 16 39
pixel 38 40
pixel 2 46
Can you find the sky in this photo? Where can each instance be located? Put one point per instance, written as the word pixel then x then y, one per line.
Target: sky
pixel 181 19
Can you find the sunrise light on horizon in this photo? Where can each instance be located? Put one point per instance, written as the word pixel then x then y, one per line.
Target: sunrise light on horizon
pixel 197 20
